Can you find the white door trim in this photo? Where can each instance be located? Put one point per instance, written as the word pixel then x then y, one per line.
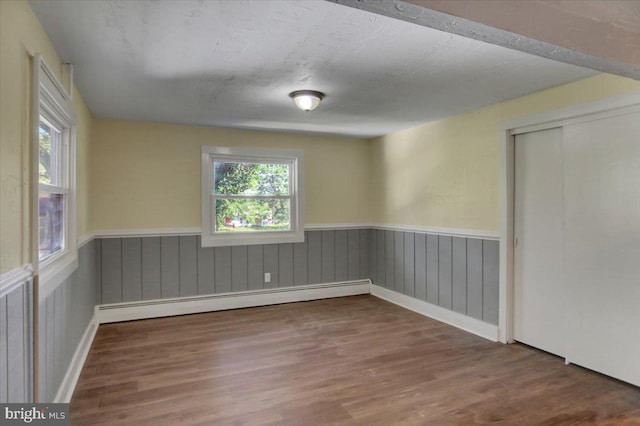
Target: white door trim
pixel 617 105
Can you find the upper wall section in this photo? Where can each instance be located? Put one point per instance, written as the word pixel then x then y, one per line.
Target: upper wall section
pixel 445 173
pixel 147 175
pixel 20 37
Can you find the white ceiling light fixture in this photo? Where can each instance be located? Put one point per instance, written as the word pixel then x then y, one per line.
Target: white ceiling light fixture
pixel 307 100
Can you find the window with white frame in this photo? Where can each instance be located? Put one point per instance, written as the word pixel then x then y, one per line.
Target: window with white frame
pixel 54 146
pixel 53 191
pixel 251 196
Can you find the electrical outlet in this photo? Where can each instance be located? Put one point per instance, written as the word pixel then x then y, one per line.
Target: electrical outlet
pixel 267 277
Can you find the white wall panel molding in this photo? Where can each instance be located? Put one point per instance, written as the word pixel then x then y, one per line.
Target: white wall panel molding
pixel 450 232
pixel 471 325
pixel 216 302
pixel 161 232
pixel 156 232
pixel 331 226
pixel 14 278
pixel 86 238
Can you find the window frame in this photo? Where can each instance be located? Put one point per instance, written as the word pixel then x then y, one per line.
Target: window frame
pixel 52 104
pixel 61 186
pixel 294 158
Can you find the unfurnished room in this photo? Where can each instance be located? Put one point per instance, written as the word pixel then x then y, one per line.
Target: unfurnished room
pixel 314 212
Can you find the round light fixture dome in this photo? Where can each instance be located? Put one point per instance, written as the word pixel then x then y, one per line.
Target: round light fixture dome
pixel 306 100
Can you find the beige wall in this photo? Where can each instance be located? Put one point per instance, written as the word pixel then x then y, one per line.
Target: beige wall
pixel 20 36
pixel 445 173
pixel 147 175
pixel 83 166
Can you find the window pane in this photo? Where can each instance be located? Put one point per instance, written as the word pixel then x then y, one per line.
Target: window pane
pixel 252 215
pixel 51 207
pixel 251 179
pixel 49 154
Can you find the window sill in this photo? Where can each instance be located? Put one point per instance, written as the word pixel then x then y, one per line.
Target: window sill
pixel 248 239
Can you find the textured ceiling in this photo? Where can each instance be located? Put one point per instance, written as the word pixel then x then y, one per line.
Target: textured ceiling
pixel 233 64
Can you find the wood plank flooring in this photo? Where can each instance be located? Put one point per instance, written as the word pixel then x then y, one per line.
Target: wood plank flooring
pixel 354 360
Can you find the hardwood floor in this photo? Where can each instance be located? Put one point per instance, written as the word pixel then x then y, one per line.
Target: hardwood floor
pixel 353 360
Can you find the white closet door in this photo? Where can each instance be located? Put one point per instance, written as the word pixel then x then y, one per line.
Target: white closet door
pixel 538 255
pixel 602 237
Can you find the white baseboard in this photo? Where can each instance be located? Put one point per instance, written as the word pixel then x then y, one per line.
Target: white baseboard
pixel 68 385
pixel 471 325
pixel 217 302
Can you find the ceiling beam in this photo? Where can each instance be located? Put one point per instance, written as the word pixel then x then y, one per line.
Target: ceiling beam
pixel 603 35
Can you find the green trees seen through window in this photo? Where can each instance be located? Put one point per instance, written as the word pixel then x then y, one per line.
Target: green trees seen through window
pixel 251 196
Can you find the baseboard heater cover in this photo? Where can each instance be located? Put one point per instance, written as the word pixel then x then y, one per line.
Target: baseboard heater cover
pixel 157 308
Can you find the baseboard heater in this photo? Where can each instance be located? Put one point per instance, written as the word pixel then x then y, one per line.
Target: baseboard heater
pixel 156 308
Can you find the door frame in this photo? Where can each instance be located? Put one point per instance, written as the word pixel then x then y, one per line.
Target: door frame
pixel 617 105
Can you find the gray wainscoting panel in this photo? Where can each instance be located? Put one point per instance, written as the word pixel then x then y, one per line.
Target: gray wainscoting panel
pixel 42 344
pixel 59 333
pixel 444 271
pixel 373 255
pixel 188 265
pixel 490 281
pixel 151 284
pixel 16 342
pixel 300 263
pixel 432 269
pixel 170 266
pixel 365 257
pixel 111 270
pixel 271 264
pixel 420 266
pixel 239 269
pixel 456 273
pixel 390 261
pixel 4 351
pixel 83 293
pixel 206 268
pixel 255 265
pixel 144 268
pixel 341 253
pixel 398 261
pixel 380 262
pixel 285 265
pixel 459 275
pixel 64 317
pixel 131 269
pixel 353 254
pixel 409 264
pixel 314 257
pixel 328 256
pixel 50 352
pixel 222 269
pixel 474 278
